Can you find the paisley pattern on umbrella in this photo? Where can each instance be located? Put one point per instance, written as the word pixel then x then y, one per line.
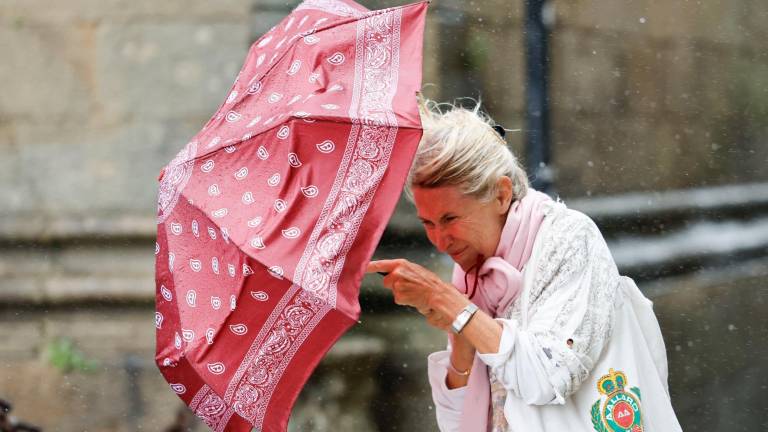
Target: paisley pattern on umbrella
pixel 265 227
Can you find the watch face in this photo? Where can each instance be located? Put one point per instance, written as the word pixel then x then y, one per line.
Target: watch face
pixel 461 321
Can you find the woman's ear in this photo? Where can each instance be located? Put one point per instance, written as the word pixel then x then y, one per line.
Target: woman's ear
pixel 504 191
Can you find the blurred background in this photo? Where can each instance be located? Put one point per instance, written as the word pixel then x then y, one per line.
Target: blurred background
pixel 652 117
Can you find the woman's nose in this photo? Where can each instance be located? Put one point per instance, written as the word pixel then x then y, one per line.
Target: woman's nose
pixel 444 240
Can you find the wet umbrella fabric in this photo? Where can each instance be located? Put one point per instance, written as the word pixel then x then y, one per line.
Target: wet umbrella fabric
pixel 268 217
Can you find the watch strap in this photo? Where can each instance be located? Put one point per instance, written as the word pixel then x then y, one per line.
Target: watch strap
pixel 463 317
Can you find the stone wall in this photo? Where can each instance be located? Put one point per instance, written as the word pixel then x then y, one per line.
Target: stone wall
pixel 643 95
pixel 99 95
pixel 375 378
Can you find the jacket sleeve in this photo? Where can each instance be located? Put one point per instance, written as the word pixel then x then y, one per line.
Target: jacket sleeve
pixel 448 402
pixel 570 316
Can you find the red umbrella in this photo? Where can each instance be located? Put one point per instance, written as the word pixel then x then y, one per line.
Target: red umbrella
pixel 268 217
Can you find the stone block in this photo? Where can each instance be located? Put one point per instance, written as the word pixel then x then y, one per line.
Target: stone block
pixel 642 71
pixel 96 10
pixel 69 170
pixel 20 339
pixel 492 13
pixel 717 22
pixel 72 289
pixel 25 262
pixel 614 154
pixel 22 289
pixel 153 70
pixel 41 79
pixel 22 275
pixel 682 78
pixel 501 65
pixel 602 15
pixel 596 155
pixel 587 73
pixel 104 335
pixel 755 15
pixel 431 78
pixel 15 192
pixel 106 260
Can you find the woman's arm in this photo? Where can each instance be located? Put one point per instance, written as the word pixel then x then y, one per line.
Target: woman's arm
pixel 571 313
pixel 569 321
pixel 439 301
pixel 449 403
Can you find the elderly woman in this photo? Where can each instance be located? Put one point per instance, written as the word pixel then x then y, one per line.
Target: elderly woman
pixel 543 332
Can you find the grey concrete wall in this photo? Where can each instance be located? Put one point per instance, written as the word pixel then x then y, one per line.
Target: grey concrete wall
pixel 98 96
pixel 644 95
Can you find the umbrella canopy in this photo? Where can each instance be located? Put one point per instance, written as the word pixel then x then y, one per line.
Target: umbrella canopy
pixel 269 215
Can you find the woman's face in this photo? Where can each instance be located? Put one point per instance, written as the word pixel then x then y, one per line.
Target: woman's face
pixel 462 226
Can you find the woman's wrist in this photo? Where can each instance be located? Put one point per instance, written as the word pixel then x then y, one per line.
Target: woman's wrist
pixel 459 367
pixel 448 301
pixel 460 372
pixel 462 352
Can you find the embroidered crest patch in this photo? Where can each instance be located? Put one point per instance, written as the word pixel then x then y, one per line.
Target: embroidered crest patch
pixel 620 411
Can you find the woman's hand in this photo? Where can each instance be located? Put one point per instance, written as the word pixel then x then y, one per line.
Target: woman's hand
pixel 438 320
pixel 413 285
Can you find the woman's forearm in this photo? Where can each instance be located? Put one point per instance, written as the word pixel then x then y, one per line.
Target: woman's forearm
pixel 482 331
pixel 462 357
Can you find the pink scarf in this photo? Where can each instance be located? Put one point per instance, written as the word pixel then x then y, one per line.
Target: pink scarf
pixel 500 283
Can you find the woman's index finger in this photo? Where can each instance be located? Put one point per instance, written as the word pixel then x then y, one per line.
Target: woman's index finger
pixel 381 266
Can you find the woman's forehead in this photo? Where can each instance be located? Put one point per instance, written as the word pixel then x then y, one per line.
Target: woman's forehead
pixel 438 201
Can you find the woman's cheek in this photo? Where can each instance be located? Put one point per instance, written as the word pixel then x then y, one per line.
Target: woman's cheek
pixel 431 235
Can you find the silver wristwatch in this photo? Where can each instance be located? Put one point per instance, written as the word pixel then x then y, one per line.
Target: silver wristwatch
pixel 463 318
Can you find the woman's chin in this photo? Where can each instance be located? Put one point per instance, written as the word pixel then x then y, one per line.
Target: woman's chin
pixel 463 262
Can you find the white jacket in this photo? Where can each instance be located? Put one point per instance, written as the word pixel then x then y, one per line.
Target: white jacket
pixel 577 323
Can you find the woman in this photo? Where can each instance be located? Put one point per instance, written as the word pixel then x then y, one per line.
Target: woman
pixel 544 334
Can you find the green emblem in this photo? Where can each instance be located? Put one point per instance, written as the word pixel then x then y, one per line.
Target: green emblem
pixel 620 411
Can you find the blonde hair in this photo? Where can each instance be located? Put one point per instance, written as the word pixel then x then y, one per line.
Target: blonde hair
pixel 459 147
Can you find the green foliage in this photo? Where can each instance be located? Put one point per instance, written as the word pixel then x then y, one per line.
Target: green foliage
pixel 64 356
pixel 596 420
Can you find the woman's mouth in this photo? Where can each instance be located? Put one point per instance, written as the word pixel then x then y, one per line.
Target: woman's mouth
pixel 457 254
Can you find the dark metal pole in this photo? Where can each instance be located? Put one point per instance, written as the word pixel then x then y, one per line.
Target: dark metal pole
pixel 536 96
